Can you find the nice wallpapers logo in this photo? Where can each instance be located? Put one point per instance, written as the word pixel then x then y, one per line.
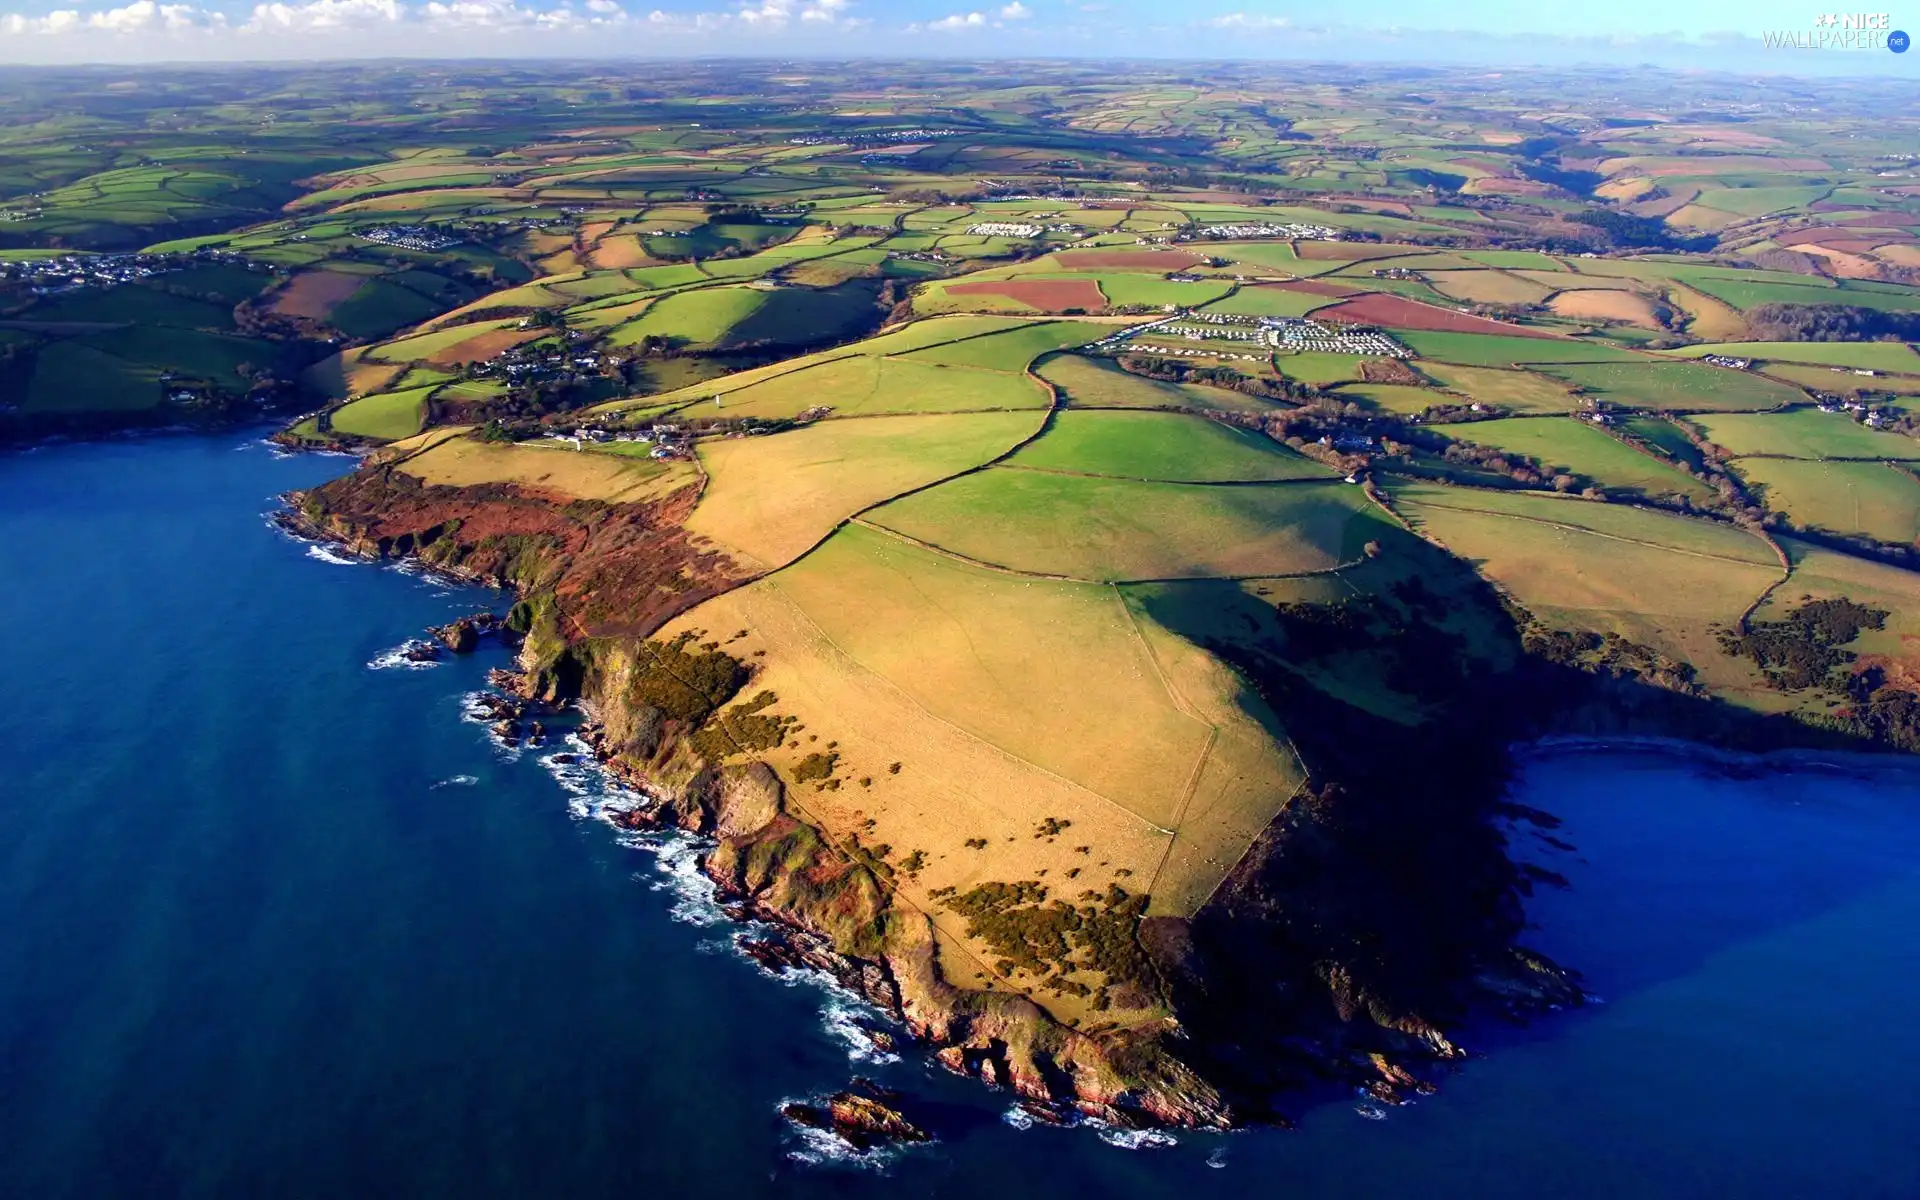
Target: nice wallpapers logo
pixel 1842 31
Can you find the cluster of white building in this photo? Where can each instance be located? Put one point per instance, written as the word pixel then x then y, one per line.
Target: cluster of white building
pixel 70 272
pixel 1869 415
pixel 668 441
pixel 1018 229
pixel 1286 333
pixel 409 237
pixel 1293 231
pixel 890 137
pixel 1185 352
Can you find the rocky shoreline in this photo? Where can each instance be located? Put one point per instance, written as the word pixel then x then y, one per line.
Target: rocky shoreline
pixel 1224 1060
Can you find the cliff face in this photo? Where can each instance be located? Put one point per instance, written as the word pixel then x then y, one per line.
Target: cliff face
pixel 842 918
pixel 612 569
pixel 1374 914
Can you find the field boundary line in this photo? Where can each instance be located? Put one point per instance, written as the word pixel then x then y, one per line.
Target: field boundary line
pixel 1613 537
pixel 1252 842
pixel 1185 706
pixel 936 548
pixel 907 698
pixel 1332 480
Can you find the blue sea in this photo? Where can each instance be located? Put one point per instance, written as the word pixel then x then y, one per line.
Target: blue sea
pixel 277 920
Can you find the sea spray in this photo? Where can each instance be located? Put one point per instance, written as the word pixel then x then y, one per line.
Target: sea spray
pixel 411 655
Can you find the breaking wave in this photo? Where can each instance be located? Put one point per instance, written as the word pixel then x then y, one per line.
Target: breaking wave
pixel 1131 1139
pixel 474 712
pixel 821 1148
pixel 325 555
pixel 593 794
pixel 397 657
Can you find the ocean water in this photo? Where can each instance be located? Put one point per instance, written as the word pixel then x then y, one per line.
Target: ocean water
pixel 276 921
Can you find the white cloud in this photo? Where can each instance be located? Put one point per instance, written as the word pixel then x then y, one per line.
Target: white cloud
pixel 423 18
pixel 1242 20
pixel 972 20
pixel 762 15
pixel 1015 12
pixel 142 16
pixel 323 15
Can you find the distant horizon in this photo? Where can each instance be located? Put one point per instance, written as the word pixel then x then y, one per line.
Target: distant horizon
pixel 1762 71
pixel 1720 35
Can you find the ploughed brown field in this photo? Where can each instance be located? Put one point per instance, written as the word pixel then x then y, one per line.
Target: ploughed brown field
pixel 481 347
pixel 1378 309
pixel 1834 239
pixel 313 294
pixel 1047 295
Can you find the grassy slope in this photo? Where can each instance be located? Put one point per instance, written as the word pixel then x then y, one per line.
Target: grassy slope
pixel 771 498
pixel 1162 446
pixel 1804 433
pixel 1681 387
pixel 389 415
pixel 1110 529
pixel 1570 445
pixel 1868 498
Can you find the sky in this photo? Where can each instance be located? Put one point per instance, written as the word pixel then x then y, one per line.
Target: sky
pixel 1715 34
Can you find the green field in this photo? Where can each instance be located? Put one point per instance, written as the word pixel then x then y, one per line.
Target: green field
pixel 1170 447
pixel 1319 369
pixel 1879 356
pixel 1805 433
pixel 1868 499
pixel 1653 578
pixel 697 318
pixel 1011 350
pixel 388 416
pixel 1615 522
pixel 1676 387
pixel 1515 391
pixel 1565 444
pixel 1662 434
pixel 1744 294
pixel 1123 289
pixel 864 385
pixel 1269 302
pixel 771 498
pixel 1098 383
pixel 1500 350
pixel 1403 399
pixel 71 377
pixel 1111 530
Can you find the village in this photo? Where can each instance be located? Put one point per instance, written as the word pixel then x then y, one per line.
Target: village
pixel 71 272
pixel 539 362
pixel 1293 231
pixel 668 441
pixel 1273 333
pixel 1018 229
pixel 857 140
pixel 409 237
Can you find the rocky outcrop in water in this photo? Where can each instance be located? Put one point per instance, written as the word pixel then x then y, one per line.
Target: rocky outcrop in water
pixel 462 635
pixel 864 1116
